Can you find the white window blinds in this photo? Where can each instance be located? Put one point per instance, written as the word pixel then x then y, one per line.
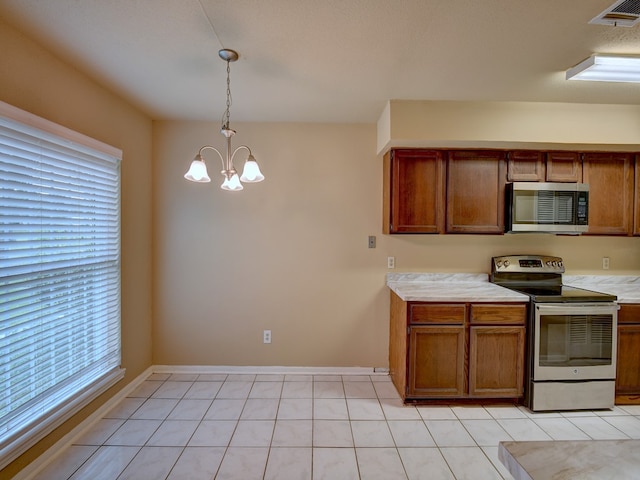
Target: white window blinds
pixel 59 272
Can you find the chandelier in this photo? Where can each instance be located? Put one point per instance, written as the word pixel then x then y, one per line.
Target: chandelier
pixel 251 172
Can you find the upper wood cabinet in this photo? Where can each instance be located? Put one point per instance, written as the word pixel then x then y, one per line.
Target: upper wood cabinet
pixel 538 166
pixel 414 182
pixel 611 192
pixel 525 166
pixel 462 191
pixel 564 167
pixel 475 191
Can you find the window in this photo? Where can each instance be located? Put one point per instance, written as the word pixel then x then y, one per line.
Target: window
pixel 59 275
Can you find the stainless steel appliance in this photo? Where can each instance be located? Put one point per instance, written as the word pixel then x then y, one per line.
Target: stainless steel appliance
pixel 571 335
pixel 547 207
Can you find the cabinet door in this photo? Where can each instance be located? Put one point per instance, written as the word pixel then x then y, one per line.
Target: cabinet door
pixel 636 208
pixel 496 361
pixel 525 166
pixel 564 167
pixel 628 363
pixel 436 361
pixel 414 192
pixel 475 192
pixel 610 179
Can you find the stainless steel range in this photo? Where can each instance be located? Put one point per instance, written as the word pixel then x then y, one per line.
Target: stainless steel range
pixel 571 335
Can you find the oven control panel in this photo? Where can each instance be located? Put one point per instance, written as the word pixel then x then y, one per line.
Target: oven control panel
pixel 527 264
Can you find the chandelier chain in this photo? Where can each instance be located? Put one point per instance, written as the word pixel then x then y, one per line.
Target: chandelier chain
pixel 251 172
pixel 227 113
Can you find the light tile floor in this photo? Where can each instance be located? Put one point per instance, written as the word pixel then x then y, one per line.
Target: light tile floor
pixel 288 427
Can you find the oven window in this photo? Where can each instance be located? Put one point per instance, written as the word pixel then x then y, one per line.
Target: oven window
pixel 575 340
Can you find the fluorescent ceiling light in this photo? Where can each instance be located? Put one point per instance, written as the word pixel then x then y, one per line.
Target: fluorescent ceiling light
pixel 607 68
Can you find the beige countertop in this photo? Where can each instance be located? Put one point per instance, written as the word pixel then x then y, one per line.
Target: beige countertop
pixel 475 287
pixel 625 287
pixel 450 287
pixel 569 460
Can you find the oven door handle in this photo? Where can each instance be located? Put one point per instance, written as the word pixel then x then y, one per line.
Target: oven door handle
pixel 576 308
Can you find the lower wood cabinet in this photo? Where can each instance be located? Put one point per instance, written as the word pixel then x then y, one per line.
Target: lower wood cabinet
pixel 457 350
pixel 628 358
pixel 437 361
pixel 636 196
pixel 496 361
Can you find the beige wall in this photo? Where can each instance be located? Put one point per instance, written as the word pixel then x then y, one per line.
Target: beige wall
pixel 290 254
pixel 472 253
pixel 35 81
pixel 412 123
pixel 296 244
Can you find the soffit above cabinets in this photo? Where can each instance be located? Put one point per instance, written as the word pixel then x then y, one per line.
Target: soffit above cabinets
pixel 509 125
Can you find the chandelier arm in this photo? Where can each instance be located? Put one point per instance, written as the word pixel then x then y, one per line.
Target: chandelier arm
pixel 209 147
pixel 239 148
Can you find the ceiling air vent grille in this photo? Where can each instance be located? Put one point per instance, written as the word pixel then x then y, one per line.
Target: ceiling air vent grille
pixel 623 13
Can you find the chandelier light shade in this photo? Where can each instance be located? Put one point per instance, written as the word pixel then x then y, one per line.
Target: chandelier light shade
pixel 198 171
pixel 607 68
pixel 251 172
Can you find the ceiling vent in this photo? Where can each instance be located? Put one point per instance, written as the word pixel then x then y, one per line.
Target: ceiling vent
pixel 623 13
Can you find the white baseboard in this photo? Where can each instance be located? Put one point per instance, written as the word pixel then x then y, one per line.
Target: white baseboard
pixel 43 460
pixel 269 370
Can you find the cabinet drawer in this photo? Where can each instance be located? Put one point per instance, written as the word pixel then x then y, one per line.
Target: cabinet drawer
pixel 437 313
pixel 629 313
pixel 503 314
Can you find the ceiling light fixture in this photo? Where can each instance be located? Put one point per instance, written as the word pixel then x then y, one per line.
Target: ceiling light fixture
pixel 251 173
pixel 607 68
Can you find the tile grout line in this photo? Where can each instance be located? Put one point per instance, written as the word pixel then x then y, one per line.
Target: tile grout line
pixel 140 447
pixel 478 444
pixel 349 411
pixel 184 448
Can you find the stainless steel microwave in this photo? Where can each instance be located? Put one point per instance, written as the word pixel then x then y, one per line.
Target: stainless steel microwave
pixel 547 207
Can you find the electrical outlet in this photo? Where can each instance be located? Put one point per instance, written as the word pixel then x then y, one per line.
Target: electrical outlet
pixel 605 263
pixel 266 336
pixel 391 262
pixel 372 241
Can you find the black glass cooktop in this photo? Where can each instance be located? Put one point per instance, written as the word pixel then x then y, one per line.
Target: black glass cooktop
pixel 563 293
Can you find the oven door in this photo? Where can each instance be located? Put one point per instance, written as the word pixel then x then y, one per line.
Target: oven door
pixel 575 341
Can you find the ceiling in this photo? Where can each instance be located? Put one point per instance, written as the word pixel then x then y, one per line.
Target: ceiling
pixel 327 60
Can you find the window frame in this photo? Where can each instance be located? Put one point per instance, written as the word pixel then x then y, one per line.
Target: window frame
pixel 17 442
